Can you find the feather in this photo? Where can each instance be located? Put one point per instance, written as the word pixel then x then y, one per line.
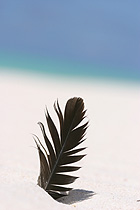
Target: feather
pixel 60 151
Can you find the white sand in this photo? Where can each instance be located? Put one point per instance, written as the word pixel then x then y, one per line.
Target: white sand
pixel 111 168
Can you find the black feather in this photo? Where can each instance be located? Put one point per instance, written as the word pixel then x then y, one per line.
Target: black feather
pixel 54 161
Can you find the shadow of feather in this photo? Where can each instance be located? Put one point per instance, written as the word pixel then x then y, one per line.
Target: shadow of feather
pixel 77 195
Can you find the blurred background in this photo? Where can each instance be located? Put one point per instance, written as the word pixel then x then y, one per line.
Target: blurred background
pixel 92 38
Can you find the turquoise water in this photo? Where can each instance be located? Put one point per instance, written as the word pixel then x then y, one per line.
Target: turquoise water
pixel 93 39
pixel 35 64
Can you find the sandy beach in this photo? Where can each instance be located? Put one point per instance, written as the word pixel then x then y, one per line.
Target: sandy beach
pixel 110 173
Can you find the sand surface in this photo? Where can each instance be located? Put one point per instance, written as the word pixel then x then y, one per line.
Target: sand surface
pixel 110 174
